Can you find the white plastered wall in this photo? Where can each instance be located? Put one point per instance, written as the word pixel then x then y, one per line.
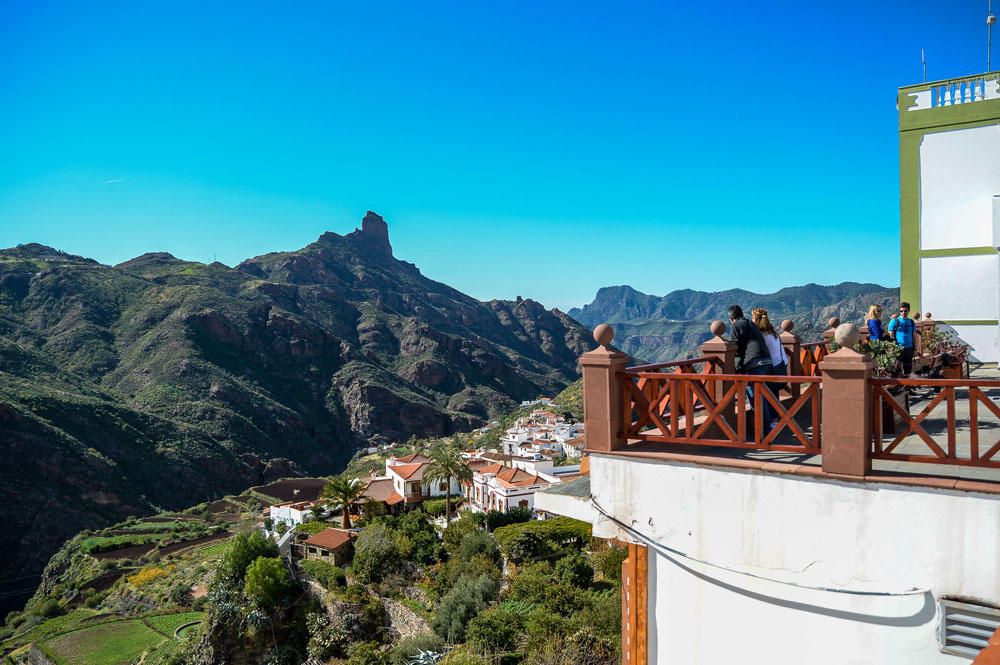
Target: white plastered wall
pixel 763 551
pixel 959 175
pixel 965 288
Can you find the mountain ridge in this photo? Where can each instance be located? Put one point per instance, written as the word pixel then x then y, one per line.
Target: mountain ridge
pixel 663 328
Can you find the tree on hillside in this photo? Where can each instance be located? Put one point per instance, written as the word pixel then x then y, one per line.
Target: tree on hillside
pixel 447 463
pixel 342 494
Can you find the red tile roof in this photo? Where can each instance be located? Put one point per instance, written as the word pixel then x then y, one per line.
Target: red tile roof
pixel 408 471
pixel 415 457
pixel 518 478
pixel 491 469
pixel 379 489
pixel 329 539
pixel 393 499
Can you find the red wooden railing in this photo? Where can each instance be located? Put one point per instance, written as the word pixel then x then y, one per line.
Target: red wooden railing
pixel 810 356
pixel 974 452
pixel 690 402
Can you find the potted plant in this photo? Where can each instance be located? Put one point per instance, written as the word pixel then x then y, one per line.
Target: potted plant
pixel 953 353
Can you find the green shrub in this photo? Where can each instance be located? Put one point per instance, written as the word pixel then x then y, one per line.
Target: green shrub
pixel 49 608
pixel 532 583
pixel 574 570
pixel 456 532
pixel 244 549
pixel 478 543
pixel 409 647
pixel 375 554
pixel 180 594
pixel 464 601
pixel 330 576
pixel 516 515
pixel 367 653
pixel 435 507
pixel 540 538
pixel 463 657
pixel 325 640
pixel 493 631
pixel 268 583
pixel 608 562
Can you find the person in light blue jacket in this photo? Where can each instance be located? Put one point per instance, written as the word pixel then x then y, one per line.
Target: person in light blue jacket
pixel 903 329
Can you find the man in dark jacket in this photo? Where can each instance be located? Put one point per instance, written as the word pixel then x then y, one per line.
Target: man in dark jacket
pixel 752 358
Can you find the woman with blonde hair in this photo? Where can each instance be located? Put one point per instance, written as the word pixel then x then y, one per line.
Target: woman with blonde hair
pixel 873 319
pixel 779 359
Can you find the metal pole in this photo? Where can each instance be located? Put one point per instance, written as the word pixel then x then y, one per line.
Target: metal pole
pixel 990 20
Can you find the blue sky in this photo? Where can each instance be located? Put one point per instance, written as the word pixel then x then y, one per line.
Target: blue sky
pixel 534 149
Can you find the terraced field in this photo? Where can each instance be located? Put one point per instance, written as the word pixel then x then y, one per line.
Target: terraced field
pixel 117 642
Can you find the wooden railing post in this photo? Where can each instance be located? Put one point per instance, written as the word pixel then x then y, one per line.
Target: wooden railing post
pixel 793 348
pixel 723 353
pixel 603 410
pixel 846 408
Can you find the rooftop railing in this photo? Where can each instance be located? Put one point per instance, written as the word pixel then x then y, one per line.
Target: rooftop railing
pixel 827 404
pixel 952 92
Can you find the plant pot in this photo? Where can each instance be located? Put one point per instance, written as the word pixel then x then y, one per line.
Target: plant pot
pixel 953 371
pixel 891 420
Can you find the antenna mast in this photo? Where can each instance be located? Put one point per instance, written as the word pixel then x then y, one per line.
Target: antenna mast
pixel 990 22
pixel 923 61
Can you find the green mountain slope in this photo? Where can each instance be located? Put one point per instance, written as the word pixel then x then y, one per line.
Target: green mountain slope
pixel 161 382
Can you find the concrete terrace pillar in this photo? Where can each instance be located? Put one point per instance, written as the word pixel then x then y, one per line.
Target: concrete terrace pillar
pixel 831 326
pixel 792 344
pixel 604 426
pixel 846 406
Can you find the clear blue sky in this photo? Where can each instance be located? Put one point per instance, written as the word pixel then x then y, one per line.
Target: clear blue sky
pixel 535 149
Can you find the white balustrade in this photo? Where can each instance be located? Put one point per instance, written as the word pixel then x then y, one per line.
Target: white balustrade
pixel 963 91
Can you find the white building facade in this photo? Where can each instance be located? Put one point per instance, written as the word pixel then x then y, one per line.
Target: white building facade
pixel 950 206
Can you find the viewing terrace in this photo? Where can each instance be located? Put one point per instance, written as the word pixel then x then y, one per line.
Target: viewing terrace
pixel 834 417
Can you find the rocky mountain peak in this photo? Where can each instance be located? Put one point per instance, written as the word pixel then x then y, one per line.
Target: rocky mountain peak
pixel 375 232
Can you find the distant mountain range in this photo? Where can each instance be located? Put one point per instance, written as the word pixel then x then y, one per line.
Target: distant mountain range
pixel 159 383
pixel 662 328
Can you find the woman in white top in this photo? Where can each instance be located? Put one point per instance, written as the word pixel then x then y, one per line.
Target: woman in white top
pixel 779 359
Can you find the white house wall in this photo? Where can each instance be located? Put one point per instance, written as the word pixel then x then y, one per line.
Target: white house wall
pixel 959 175
pixel 762 550
pixel 961 287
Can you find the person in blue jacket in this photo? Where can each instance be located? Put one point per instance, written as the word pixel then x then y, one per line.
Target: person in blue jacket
pixel 903 329
pixel 873 319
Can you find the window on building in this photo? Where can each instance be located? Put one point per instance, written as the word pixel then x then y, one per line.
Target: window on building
pixel 966 627
pixel 523 503
pixel 443 486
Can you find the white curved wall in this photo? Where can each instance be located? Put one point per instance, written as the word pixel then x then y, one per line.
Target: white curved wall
pixel 798 531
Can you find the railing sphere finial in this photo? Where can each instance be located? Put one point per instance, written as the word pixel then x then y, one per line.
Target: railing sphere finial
pixel 928 316
pixel 717 328
pixel 787 325
pixel 603 334
pixel 833 322
pixel 847 335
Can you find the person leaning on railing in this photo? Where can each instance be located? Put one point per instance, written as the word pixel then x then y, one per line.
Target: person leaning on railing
pixel 876 329
pixel 779 360
pixel 752 357
pixel 902 328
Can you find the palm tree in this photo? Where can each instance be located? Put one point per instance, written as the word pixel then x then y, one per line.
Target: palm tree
pixel 447 463
pixel 342 493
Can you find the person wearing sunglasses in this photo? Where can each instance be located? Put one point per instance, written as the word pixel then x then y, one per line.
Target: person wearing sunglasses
pixel 873 320
pixel 902 329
